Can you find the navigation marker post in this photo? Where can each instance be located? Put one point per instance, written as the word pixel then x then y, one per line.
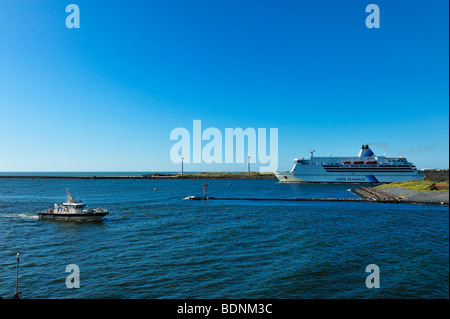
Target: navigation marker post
pixel 204 189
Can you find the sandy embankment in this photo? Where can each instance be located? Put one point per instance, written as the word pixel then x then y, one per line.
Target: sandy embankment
pixel 409 195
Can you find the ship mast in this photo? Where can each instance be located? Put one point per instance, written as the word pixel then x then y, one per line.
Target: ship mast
pixel 311 152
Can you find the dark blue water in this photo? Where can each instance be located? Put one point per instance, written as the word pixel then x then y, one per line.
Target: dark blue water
pixel 154 244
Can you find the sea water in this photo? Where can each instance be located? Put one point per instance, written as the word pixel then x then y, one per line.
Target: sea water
pixel 155 244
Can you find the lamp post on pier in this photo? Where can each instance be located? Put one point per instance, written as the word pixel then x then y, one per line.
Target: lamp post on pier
pixel 182 158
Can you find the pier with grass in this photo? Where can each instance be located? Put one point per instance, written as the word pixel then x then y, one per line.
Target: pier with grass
pixel 414 192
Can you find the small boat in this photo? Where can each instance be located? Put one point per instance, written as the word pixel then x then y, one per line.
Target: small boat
pixel 72 210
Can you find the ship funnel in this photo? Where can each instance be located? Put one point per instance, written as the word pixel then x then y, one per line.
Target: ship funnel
pixel 365 151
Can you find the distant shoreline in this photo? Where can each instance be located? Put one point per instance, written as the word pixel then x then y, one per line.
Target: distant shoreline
pixel 434 175
pixel 213 175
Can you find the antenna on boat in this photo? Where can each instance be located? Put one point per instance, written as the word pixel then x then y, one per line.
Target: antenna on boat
pixel 70 199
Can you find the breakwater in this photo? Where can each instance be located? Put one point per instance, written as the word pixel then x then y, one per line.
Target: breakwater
pixel 282 199
pixel 366 195
pixel 402 195
pixel 376 195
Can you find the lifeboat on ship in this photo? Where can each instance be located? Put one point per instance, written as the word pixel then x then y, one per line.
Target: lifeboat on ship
pixel 371 162
pixel 358 162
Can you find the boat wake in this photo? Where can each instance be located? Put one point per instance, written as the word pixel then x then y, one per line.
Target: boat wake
pixel 24 216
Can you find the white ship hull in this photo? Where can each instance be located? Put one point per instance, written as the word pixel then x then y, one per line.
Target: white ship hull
pixel 288 177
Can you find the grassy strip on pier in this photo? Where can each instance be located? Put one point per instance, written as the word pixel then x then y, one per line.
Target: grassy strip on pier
pixel 421 186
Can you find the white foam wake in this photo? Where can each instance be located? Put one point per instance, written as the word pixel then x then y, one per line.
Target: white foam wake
pixel 26 216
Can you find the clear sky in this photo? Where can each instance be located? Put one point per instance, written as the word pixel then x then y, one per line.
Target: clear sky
pixel 106 96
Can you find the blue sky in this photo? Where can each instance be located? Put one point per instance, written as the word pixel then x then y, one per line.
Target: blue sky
pixel 106 96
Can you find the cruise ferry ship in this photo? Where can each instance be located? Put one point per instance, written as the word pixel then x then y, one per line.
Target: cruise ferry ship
pixel 364 168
